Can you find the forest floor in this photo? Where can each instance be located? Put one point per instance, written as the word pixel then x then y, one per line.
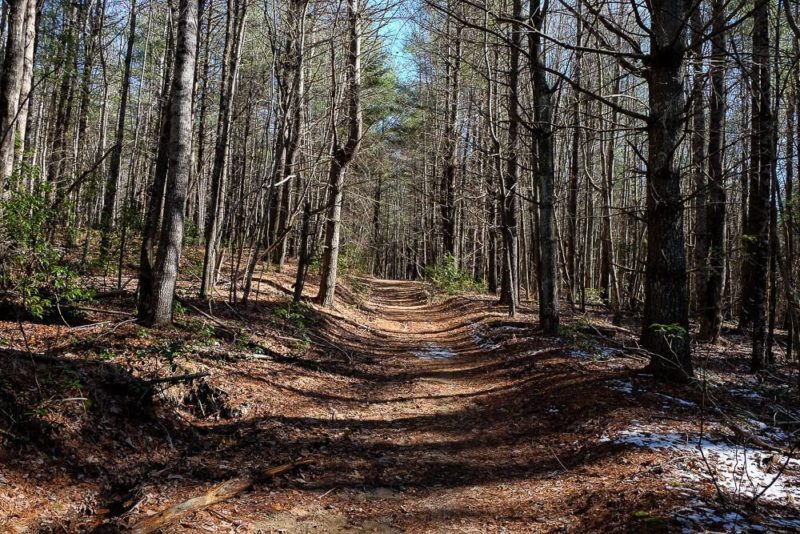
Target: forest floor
pixel 420 414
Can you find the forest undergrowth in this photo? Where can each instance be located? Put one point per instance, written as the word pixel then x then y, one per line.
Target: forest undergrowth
pixel 402 409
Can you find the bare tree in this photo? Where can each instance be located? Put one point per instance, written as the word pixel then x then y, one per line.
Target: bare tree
pixel 157 311
pixel 341 155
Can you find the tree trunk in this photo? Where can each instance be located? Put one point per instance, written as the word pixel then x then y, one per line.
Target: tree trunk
pixel 698 147
pixel 342 156
pixel 548 300
pixel 112 182
pixel 448 189
pixel 756 238
pixel 509 290
pixel 665 328
pixel 152 221
pixel 11 82
pixel 159 310
pixel 714 271
pixel 26 92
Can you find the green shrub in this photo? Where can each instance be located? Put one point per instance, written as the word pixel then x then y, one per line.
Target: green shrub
pixel 297 315
pixel 33 272
pixel 594 296
pixel 447 277
pixel 352 260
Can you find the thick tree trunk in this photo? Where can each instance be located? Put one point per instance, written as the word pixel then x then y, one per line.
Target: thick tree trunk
pixel 26 92
pixel 342 156
pixel 574 174
pixel 548 284
pixel 698 147
pixel 152 222
pixel 448 188
pixel 665 328
pixel 509 290
pixel 159 310
pixel 756 238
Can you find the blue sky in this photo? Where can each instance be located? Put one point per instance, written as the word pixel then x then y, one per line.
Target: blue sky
pixel 395 32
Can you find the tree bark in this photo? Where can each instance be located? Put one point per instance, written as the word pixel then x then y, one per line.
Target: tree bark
pixel 756 239
pixel 548 300
pixel 448 188
pixel 665 328
pixel 509 289
pixel 341 158
pixel 26 91
pixel 159 310
pixel 11 82
pixel 714 271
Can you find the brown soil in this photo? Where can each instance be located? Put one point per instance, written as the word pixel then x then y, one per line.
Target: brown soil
pixel 423 415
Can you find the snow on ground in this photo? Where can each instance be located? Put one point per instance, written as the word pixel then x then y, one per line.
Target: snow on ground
pixel 738 470
pixel 741 473
pixel 597 353
pixel 700 516
pixel 480 340
pixel 677 400
pixel 746 393
pixel 621 386
pixel 432 351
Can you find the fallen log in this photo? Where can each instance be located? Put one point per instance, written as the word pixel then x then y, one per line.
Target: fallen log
pixel 220 492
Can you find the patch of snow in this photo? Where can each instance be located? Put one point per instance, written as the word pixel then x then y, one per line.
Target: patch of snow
pixel 791 524
pixel 513 329
pixel 768 432
pixel 702 518
pixel 577 353
pixel 480 340
pixel 677 400
pixel 746 393
pixel 597 353
pixel 738 470
pixel 621 386
pixel 434 352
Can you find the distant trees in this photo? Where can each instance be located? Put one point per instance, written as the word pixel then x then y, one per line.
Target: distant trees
pixel 234 35
pixel 639 158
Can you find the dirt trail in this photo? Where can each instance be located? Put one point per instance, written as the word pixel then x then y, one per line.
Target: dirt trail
pixel 423 415
pixel 446 418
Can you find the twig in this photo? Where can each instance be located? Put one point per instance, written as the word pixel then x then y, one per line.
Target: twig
pixel 557 459
pixel 220 492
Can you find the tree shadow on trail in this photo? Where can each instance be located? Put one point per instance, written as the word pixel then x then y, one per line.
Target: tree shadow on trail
pixel 522 412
